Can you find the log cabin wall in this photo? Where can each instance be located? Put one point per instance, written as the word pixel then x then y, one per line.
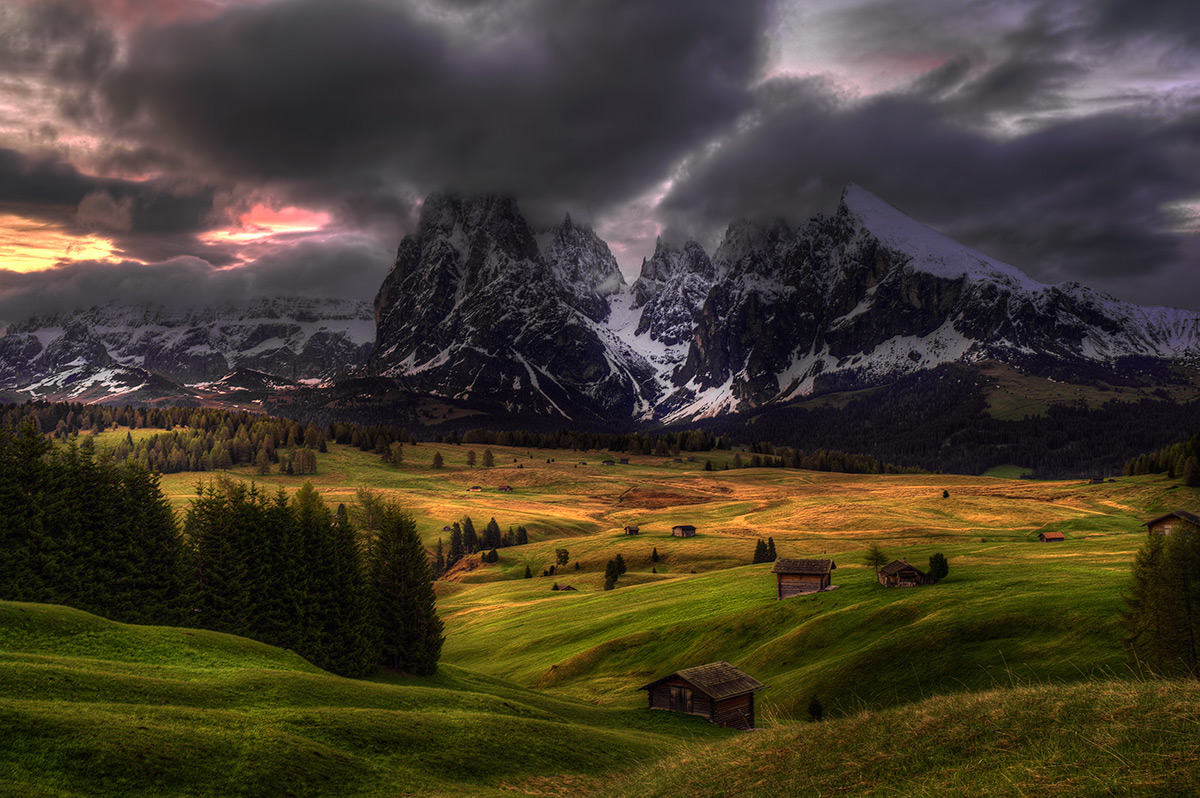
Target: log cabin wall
pixel 736 712
pixel 799 584
pixel 660 697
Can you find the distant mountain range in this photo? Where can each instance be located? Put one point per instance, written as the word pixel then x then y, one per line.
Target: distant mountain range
pixel 483 313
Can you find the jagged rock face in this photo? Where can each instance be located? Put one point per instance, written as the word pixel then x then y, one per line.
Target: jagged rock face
pixel 301 339
pixel 868 295
pixel 472 310
pixel 672 285
pixel 583 265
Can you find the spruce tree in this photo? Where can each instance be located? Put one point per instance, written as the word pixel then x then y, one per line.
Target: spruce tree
pixel 437 460
pixel 816 711
pixel 1191 472
pixel 654 555
pixel 620 565
pixel 522 536
pixel 772 556
pixel 470 539
pixel 457 549
pixel 760 551
pixel 528 573
pixel 939 568
pixel 471 458
pixel 410 632
pixel 491 534
pixel 489 459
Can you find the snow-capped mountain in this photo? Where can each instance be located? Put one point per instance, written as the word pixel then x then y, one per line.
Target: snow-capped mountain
pixel 118 350
pixel 473 310
pixel 478 307
pixel 480 312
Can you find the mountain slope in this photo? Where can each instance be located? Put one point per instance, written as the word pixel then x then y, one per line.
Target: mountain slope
pixel 127 345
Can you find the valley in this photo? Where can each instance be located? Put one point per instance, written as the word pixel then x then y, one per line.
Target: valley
pixel 1020 632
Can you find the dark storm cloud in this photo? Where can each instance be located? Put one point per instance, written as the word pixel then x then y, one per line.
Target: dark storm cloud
pixel 1080 199
pixel 340 267
pixel 586 102
pixel 49 188
pixel 1173 20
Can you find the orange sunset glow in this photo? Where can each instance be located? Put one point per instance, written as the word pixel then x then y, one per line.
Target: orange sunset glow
pixel 28 246
pixel 262 222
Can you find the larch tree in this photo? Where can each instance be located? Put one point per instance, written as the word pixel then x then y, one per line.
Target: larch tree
pixel 410 632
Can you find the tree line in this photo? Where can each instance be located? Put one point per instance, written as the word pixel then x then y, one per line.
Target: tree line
pixel 1177 460
pixel 465 540
pixel 83 531
pixel 1161 617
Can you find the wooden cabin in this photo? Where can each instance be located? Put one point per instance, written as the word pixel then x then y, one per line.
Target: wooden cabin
pixel 684 531
pixel 1096 481
pixel 797 577
pixel 1176 521
pixel 474 489
pixel 1051 537
pixel 899 573
pixel 624 461
pixel 505 488
pixel 717 691
pixel 632 530
pixel 609 462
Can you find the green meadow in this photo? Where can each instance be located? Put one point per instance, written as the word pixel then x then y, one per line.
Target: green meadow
pixel 1008 677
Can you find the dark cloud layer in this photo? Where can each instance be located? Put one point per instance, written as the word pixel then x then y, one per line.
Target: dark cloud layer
pixel 583 103
pixel 1078 199
pixel 339 267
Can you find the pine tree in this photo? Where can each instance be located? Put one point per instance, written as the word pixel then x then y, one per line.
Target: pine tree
pixel 437 460
pixel 760 551
pixel 489 460
pixel 522 536
pixel 561 557
pixel 457 549
pixel 816 711
pixel 410 631
pixel 528 573
pixel 771 554
pixel 471 458
pixel 470 539
pixel 654 555
pixel 939 568
pixel 491 534
pixel 620 565
pixel 1191 472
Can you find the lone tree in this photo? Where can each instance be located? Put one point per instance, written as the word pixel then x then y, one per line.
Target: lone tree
pixel 654 555
pixel 1161 619
pixel 875 557
pixel 410 631
pixel 437 460
pixel 561 556
pixel 489 459
pixel 528 573
pixel 938 567
pixel 945 494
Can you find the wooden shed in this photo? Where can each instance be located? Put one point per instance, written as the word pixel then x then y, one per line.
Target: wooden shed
pixel 1175 521
pixel 684 531
pixel 505 489
pixel 1051 537
pixel 624 461
pixel 717 691
pixel 899 573
pixel 474 489
pixel 797 577
pixel 632 530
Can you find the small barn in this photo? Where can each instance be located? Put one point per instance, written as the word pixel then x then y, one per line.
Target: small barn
pixel 797 577
pixel 1175 521
pixel 717 691
pixel 474 489
pixel 505 488
pixel 632 530
pixel 624 461
pixel 899 573
pixel 684 531
pixel 609 462
pixel 1051 537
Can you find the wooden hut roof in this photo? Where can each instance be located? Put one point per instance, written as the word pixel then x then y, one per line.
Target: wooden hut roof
pixel 789 566
pixel 1054 536
pixel 896 566
pixel 718 680
pixel 1183 514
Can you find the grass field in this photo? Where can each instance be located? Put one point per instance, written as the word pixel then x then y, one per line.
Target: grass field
pixel 540 686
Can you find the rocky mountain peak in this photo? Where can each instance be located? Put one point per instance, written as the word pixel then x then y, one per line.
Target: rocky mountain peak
pixel 584 266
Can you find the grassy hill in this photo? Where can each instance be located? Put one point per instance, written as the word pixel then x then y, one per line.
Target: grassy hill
pixel 999 680
pixel 92 707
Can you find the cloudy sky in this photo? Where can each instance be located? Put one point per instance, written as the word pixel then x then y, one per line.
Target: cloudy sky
pixel 195 150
